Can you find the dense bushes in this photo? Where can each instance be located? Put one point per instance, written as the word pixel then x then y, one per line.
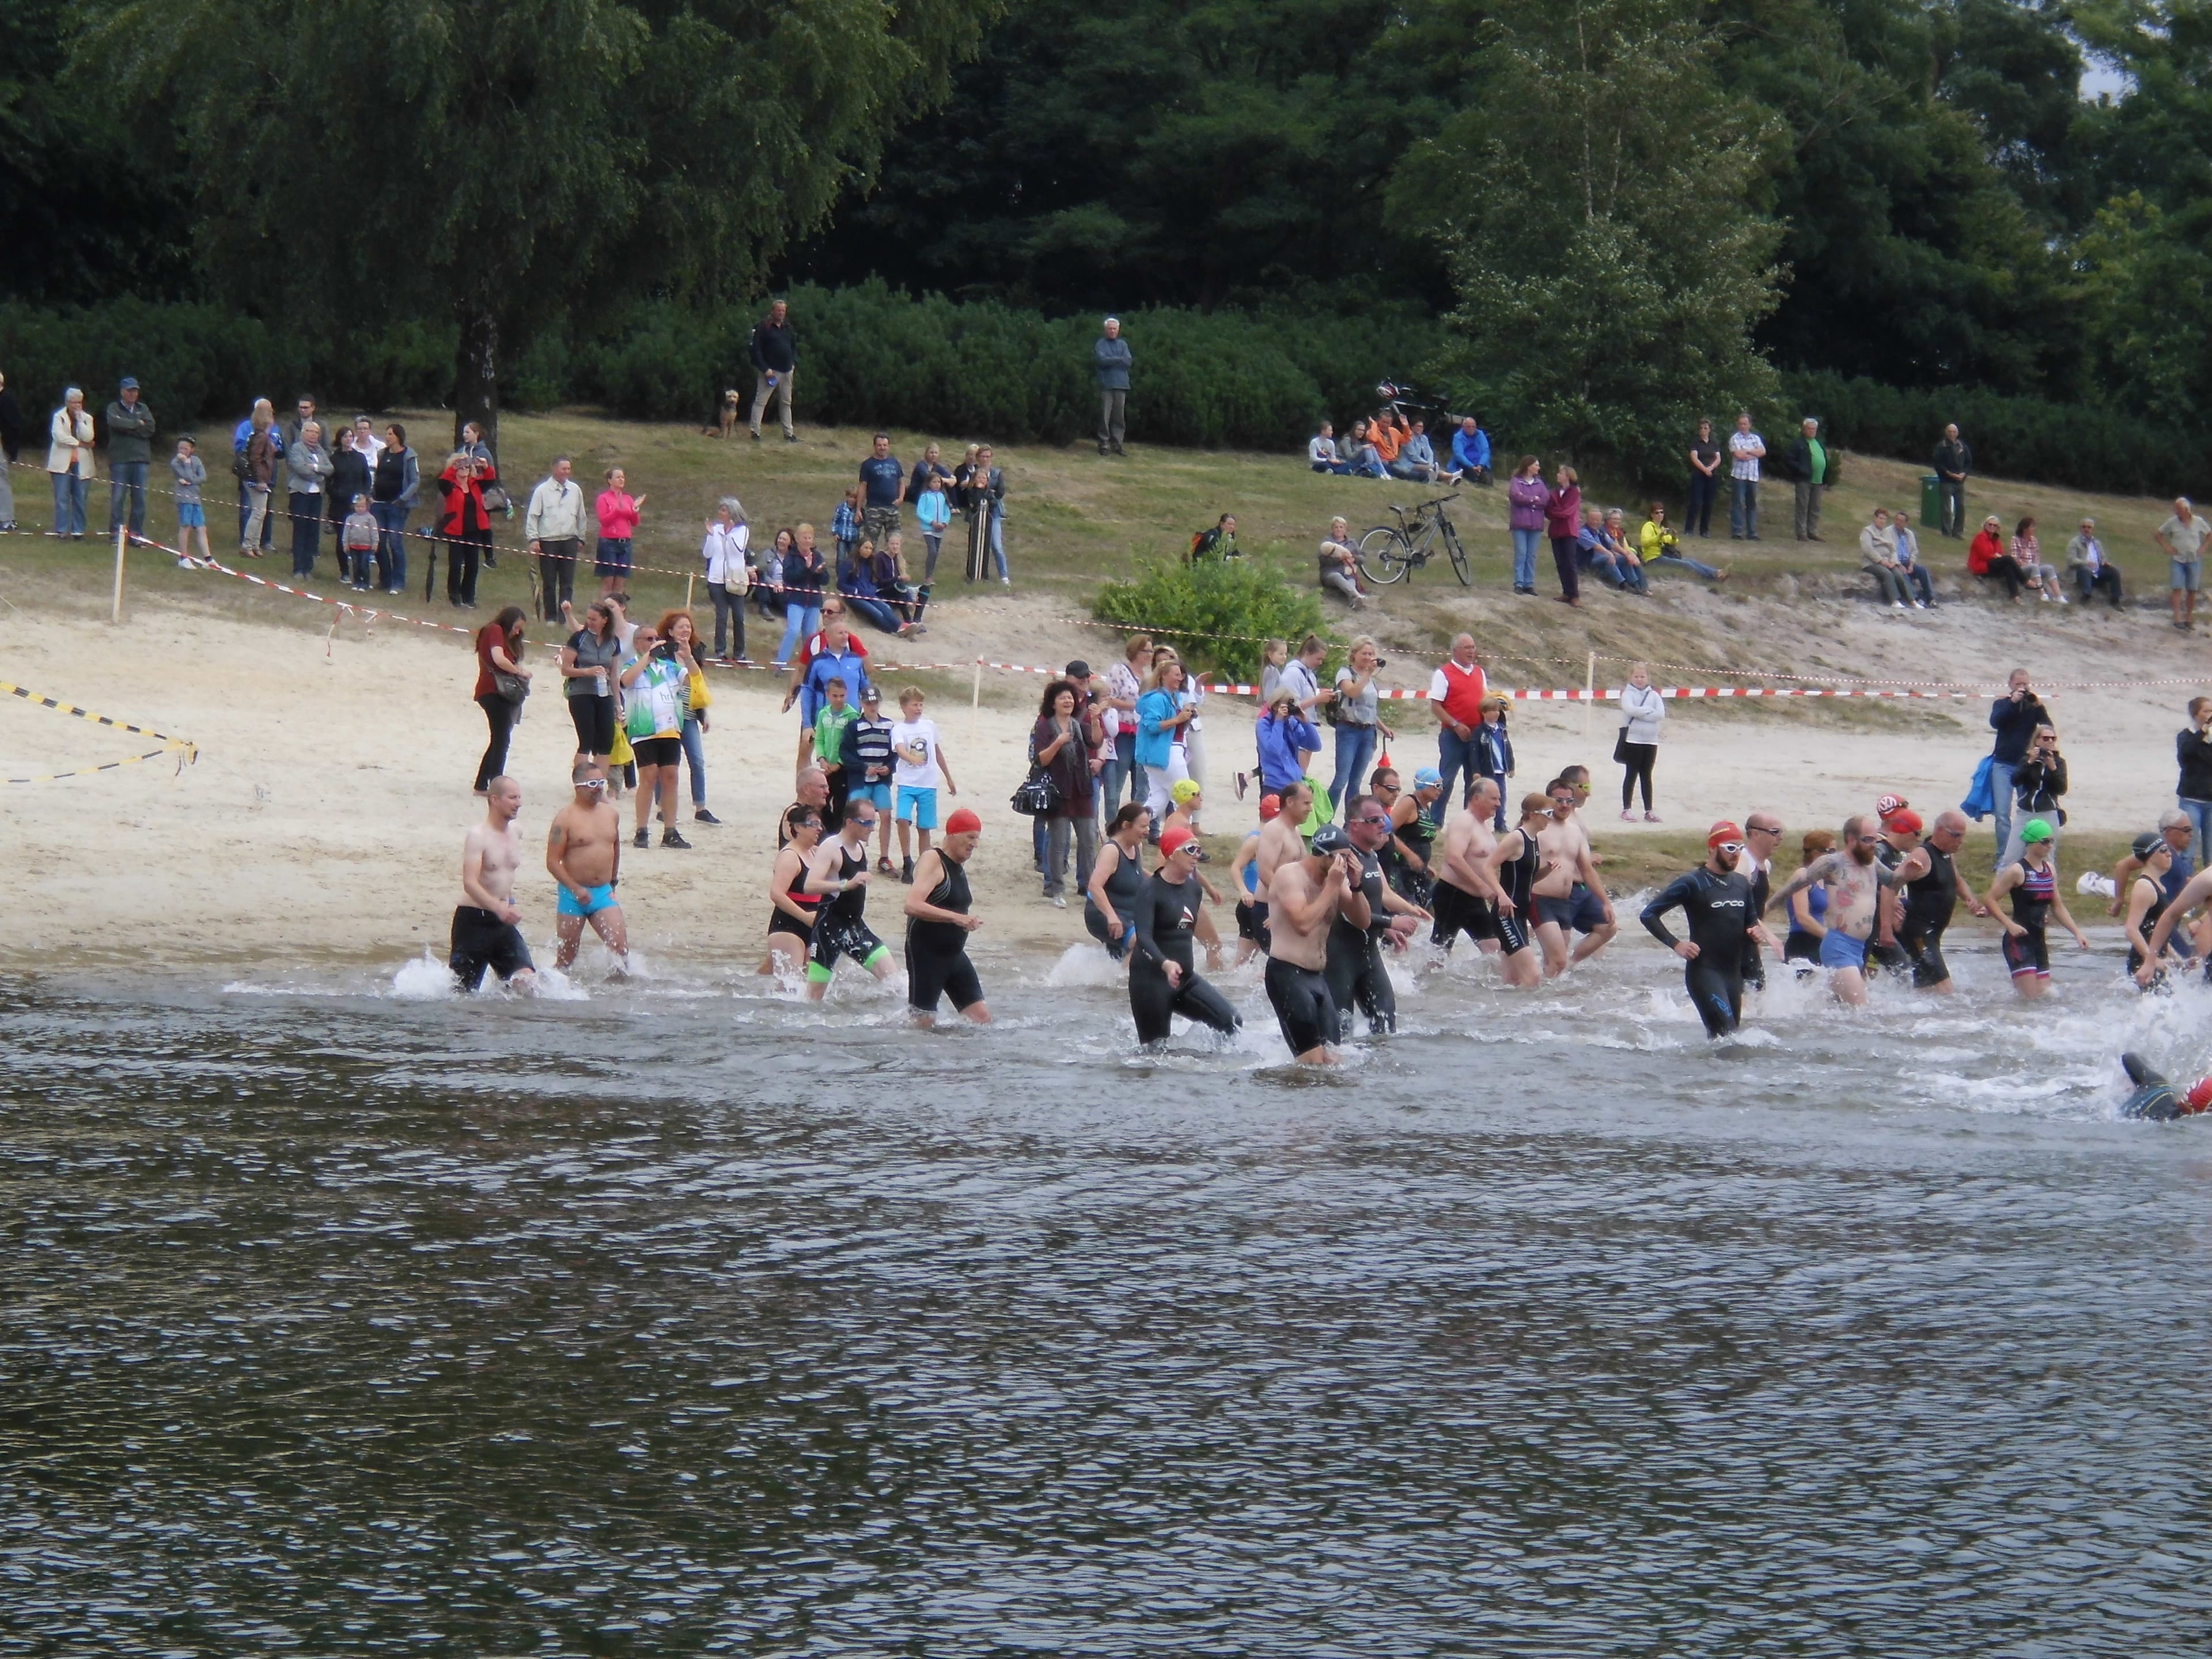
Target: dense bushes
pixel 1217 613
pixel 2025 438
pixel 870 357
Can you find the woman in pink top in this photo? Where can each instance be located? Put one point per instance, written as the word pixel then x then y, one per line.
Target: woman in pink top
pixel 618 511
pixel 1563 522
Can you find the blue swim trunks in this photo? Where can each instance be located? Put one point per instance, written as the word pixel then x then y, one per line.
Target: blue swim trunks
pixel 599 898
pixel 1840 950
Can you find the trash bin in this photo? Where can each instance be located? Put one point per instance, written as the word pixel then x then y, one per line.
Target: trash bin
pixel 1931 502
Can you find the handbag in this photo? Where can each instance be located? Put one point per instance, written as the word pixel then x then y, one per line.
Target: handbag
pixel 1620 745
pixel 1037 796
pixel 512 687
pixel 494 499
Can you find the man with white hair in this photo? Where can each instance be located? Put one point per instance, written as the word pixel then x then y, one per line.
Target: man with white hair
pixel 2183 536
pixel 1111 354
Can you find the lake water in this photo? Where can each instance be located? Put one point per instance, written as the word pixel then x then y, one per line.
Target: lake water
pixel 685 1318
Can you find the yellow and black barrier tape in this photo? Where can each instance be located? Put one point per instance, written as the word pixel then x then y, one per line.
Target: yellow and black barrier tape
pixel 184 749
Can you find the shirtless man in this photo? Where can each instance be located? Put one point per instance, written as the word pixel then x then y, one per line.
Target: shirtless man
pixel 1307 894
pixel 1280 842
pixel 1855 878
pixel 1568 893
pixel 1465 894
pixel 583 850
pixel 484 931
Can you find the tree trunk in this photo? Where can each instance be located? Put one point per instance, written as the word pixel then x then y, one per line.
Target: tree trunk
pixel 475 376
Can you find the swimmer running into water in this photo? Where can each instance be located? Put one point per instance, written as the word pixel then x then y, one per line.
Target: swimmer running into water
pixel 1718 902
pixel 583 851
pixel 937 923
pixel 1854 877
pixel 838 871
pixel 1309 893
pixel 2033 883
pixel 484 931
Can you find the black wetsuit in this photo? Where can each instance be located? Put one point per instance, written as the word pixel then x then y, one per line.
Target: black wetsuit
pixel 1355 970
pixel 1719 912
pixel 2030 953
pixel 937 963
pixel 839 929
pixel 1519 879
pixel 2150 919
pixel 1894 958
pixel 1125 887
pixel 1754 959
pixel 1419 835
pixel 1166 916
pixel 1929 902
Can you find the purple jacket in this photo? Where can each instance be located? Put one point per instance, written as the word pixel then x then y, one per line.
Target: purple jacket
pixel 1527 496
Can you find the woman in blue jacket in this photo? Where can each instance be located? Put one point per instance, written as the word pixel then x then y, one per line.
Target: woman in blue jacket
pixel 1162 712
pixel 1286 738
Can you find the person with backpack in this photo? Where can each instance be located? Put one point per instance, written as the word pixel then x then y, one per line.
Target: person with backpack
pixel 1218 542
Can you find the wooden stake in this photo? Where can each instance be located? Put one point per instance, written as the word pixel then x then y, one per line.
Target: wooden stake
pixel 122 540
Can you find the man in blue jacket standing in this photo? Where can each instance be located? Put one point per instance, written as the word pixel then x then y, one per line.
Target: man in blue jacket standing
pixel 1110 352
pixel 2013 717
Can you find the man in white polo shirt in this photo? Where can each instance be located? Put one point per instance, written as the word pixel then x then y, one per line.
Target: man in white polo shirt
pixel 2183 536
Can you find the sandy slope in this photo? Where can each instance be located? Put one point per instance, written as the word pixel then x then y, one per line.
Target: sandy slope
pixel 323 819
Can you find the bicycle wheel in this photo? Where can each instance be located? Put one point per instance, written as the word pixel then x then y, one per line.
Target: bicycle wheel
pixel 1458 555
pixel 1384 555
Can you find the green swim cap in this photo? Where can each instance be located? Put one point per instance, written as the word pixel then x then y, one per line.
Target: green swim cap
pixel 2037 829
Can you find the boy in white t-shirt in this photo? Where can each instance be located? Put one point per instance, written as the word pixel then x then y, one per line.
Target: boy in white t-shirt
pixel 919 767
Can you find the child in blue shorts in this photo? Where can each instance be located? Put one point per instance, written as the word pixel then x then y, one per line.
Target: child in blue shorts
pixel 191 513
pixel 919 769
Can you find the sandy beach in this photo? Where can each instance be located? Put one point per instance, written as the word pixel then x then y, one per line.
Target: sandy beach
pixel 322 821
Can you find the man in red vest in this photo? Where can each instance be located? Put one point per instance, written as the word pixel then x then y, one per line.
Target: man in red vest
pixel 1455 692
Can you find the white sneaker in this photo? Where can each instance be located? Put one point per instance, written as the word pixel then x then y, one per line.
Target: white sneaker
pixel 1897 604
pixel 1920 605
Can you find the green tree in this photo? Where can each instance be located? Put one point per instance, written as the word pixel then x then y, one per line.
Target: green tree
pixel 1114 153
pixel 1613 268
pixel 501 162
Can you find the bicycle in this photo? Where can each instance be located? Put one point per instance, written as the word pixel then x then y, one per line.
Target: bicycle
pixel 1397 550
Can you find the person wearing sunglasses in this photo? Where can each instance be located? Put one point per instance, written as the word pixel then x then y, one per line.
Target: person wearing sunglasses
pixel 583 851
pixel 1855 876
pixel 1716 902
pixel 1354 958
pixel 838 871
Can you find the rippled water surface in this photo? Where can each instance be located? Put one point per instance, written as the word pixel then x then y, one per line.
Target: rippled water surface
pixel 684 1319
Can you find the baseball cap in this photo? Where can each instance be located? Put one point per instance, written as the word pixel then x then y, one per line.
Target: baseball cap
pixel 1175 841
pixel 1186 790
pixel 1271 807
pixel 1331 838
pixel 1723 831
pixel 962 822
pixel 1428 778
pixel 130 383
pixel 2037 829
pixel 1077 670
pixel 873 694
pixel 1903 822
pixel 2145 845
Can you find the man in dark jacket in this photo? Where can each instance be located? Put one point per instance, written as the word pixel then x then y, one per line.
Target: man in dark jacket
pixel 775 353
pixel 11 444
pixel 130 447
pixel 1807 465
pixel 1111 356
pixel 1955 460
pixel 2013 717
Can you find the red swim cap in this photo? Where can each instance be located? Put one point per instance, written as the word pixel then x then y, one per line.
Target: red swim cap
pixel 1723 831
pixel 1270 807
pixel 962 822
pixel 1903 821
pixel 1176 840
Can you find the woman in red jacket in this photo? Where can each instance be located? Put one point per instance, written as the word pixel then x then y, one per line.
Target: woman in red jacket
pixel 1986 557
pixel 1563 521
pixel 463 523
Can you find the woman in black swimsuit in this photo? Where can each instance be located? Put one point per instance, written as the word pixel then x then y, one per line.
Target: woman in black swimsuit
pixel 938 924
pixel 792 909
pixel 1117 880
